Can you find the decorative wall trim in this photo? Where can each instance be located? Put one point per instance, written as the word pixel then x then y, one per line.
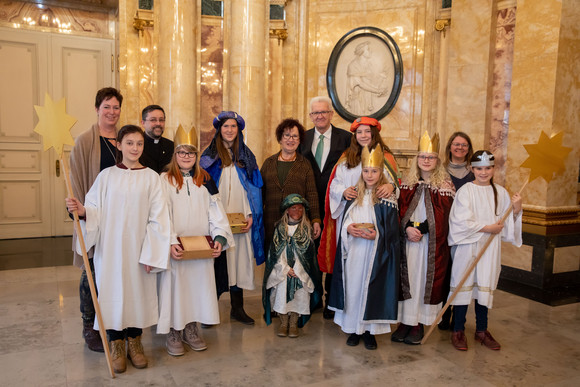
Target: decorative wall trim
pixel 551 220
pixel 143 19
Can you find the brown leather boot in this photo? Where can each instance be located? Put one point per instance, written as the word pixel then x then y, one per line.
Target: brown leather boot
pixel 118 356
pixel 459 341
pixel 485 338
pixel 135 352
pixel 293 325
pixel 283 330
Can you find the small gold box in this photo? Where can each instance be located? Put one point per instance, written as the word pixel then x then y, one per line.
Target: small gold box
pixel 237 221
pixel 368 226
pixel 196 247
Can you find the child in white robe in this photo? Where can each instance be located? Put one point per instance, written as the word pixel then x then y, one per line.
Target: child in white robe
pixel 187 291
pixel 127 221
pixel 475 216
pixel 365 285
pixel 292 285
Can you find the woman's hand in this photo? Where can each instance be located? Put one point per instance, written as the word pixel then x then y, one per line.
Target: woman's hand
pixel 517 203
pixel 385 190
pixel 350 193
pixel 316 230
pixel 73 204
pixel 148 268
pixel 248 225
pixel 369 234
pixel 413 234
pixel 361 232
pixel 176 252
pixel 292 274
pixel 217 249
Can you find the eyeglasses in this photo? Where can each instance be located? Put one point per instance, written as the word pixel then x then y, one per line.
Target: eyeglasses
pixel 186 155
pixel 459 145
pixel 428 158
pixel 154 120
pixel 288 136
pixel 324 112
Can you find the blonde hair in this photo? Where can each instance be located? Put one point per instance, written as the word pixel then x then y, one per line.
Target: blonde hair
pixel 362 186
pixel 303 225
pixel 438 177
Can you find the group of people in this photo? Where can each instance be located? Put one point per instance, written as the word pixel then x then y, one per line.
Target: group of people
pixel 329 207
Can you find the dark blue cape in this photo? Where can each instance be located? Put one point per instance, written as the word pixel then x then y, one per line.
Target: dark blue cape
pixel 253 186
pixel 383 291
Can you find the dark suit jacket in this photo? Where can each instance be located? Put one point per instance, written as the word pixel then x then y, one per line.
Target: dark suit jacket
pixel 156 156
pixel 339 141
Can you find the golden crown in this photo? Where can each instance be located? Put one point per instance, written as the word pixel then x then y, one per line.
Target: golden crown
pixel 184 138
pixel 374 158
pixel 429 144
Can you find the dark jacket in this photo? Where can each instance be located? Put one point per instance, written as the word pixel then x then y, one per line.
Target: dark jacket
pixel 156 156
pixel 339 140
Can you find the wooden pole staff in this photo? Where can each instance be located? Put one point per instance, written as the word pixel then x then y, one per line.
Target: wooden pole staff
pixel 79 232
pixel 468 271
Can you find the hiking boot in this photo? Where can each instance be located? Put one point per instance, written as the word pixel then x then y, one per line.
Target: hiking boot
pixel 118 356
pixel 135 352
pixel 192 337
pixel 174 344
pixel 92 338
pixel 399 335
pixel 293 325
pixel 283 330
pixel 415 335
pixel 459 340
pixel 485 338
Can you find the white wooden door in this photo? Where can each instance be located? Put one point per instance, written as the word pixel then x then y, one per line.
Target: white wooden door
pixel 32 191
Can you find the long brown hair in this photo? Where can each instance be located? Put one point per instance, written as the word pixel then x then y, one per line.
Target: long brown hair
pixel 475 158
pixel 353 152
pixel 174 175
pixel 224 153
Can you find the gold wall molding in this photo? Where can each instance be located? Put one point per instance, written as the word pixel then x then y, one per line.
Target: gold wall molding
pixel 280 33
pixel 143 19
pixel 440 24
pixel 551 220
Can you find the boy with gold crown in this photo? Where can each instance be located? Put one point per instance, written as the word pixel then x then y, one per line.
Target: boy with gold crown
pixel 187 290
pixel 365 283
pixel 426 197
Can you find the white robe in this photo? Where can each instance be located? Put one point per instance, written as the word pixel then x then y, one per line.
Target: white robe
pixel 128 223
pixel 187 291
pixel 344 178
pixel 414 310
pixel 277 281
pixel 240 256
pixel 358 255
pixel 473 208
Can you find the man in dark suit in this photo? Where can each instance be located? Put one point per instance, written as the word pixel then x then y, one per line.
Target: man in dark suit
pixel 323 145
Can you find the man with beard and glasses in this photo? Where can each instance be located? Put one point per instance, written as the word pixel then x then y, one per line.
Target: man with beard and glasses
pixel 158 149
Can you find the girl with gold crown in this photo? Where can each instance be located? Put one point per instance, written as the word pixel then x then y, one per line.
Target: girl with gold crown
pixel 365 282
pixel 424 204
pixel 476 213
pixel 187 290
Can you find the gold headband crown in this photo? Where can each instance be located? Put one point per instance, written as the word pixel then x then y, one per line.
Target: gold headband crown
pixel 184 138
pixel 374 158
pixel 429 144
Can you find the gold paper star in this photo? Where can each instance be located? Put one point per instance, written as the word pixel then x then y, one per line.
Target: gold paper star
pixel 54 124
pixel 546 158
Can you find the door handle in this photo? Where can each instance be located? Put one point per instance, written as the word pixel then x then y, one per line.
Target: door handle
pixel 57 168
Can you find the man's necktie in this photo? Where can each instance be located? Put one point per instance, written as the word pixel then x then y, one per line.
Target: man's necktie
pixel 319 151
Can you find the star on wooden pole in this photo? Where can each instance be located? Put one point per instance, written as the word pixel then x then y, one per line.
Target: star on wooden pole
pixel 546 158
pixel 54 124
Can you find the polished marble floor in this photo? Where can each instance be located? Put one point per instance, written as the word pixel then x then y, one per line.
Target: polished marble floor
pixel 41 345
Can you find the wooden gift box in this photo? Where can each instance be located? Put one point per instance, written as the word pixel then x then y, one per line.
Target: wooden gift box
pixel 368 226
pixel 237 221
pixel 196 247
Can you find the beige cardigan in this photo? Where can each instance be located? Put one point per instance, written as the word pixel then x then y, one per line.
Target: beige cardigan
pixel 85 165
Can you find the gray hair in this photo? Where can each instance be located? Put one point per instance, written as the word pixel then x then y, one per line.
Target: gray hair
pixel 321 98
